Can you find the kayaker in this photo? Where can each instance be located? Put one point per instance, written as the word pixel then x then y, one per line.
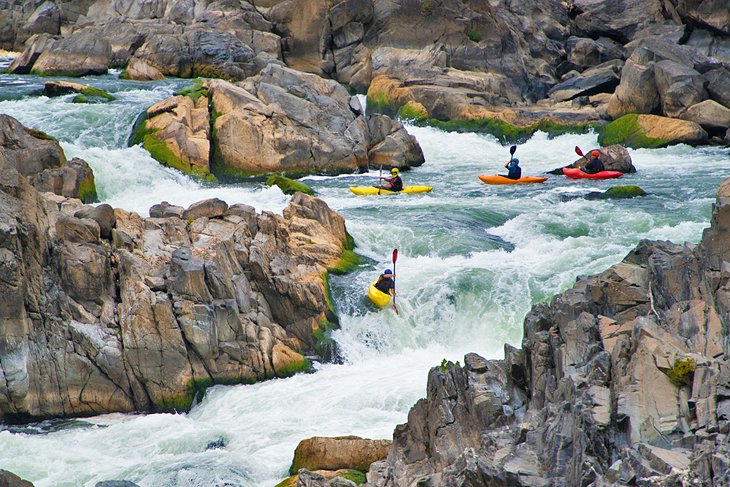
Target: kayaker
pixel 394 183
pixel 385 283
pixel 594 165
pixel 513 168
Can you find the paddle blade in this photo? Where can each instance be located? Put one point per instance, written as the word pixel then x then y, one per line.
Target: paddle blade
pixel 578 151
pixel 394 308
pixel 395 255
pixel 512 150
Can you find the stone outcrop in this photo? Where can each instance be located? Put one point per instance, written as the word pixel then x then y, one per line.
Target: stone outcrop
pixel 614 157
pixel 621 380
pixel 651 131
pixel 41 160
pixel 278 121
pixel 337 453
pixel 104 310
pixel 9 479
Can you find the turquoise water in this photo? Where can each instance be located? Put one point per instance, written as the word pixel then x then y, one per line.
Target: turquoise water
pixel 472 261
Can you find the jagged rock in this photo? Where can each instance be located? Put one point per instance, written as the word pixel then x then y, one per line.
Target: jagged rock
pixel 617 21
pixel 103 215
pixel 143 71
pixel 166 210
pixel 59 88
pixel 585 52
pixel 679 87
pixel 40 158
pixel 336 453
pixel 625 373
pixel 599 79
pixel 170 308
pixel 718 85
pixel 9 479
pixel 310 479
pixel 80 54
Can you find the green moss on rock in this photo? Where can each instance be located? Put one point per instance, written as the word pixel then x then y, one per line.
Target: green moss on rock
pixel 39 134
pixel 139 129
pixel 617 192
pixel 354 476
pixel 87 188
pixel 288 482
pixel 194 90
pixel 289 186
pixel 302 366
pixel 92 92
pixel 626 130
pixel 347 263
pixel 682 372
pixel 80 99
pixel 413 111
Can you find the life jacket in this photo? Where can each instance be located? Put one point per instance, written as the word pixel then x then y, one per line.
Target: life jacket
pixel 514 171
pixel 397 184
pixel 384 284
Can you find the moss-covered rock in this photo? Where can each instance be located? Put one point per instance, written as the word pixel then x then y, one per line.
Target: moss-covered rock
pixel 289 186
pixel 617 192
pixel 413 111
pixel 86 94
pixel 87 187
pixel 194 90
pixel 650 131
pixel 506 132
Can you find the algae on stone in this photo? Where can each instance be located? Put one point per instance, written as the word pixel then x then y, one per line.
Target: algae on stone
pixel 289 186
pixel 627 130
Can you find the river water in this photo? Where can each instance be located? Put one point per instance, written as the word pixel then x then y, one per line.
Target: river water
pixel 472 261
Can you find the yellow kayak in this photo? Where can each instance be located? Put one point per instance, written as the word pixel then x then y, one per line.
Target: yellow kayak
pixel 369 190
pixel 378 297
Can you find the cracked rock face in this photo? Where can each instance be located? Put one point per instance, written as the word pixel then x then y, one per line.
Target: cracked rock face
pixel 621 380
pixel 104 310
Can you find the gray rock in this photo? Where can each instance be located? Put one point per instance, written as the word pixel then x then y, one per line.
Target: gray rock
pixel 709 114
pixel 166 210
pixel 9 479
pixel 103 215
pixel 210 208
pixel 679 87
pixel 600 79
pixel 718 85
pixel 115 483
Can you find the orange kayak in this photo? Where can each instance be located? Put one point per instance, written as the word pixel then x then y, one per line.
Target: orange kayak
pixel 496 179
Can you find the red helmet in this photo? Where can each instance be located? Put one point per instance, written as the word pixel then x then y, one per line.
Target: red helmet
pixel 595 153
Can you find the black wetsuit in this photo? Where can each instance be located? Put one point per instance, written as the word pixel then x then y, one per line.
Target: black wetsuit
pixel 594 166
pixel 385 284
pixel 396 183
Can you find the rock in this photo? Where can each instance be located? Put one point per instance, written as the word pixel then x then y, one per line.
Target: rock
pixel 391 145
pixel 305 478
pixel 718 85
pixel 36 45
pixel 59 88
pixel 620 22
pixel 336 453
pixel 679 87
pixel 142 71
pixel 637 91
pixel 210 208
pixel 166 210
pixel 115 483
pixel 289 186
pixel 709 114
pixel 80 54
pixel 615 157
pixel 617 192
pixel 585 52
pixel 600 79
pixel 651 131
pixel 608 396
pixel 9 479
pixel 103 215
pixel 171 307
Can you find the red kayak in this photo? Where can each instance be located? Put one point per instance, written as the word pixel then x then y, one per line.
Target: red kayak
pixel 575 173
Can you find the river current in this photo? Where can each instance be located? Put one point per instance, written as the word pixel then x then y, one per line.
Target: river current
pixel 472 261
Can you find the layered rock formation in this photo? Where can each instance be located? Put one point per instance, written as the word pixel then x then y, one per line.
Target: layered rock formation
pixel 281 120
pixel 621 380
pixel 104 310
pixel 39 158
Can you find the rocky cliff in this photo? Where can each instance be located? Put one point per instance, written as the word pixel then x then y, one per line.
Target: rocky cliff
pixel 621 380
pixel 104 310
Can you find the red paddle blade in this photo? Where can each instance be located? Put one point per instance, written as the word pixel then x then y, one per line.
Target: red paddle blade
pixel 578 151
pixel 395 255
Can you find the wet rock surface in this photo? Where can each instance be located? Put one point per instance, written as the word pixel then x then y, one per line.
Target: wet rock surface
pixel 621 380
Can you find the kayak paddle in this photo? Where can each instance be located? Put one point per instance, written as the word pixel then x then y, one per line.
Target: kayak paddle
pixel 380 179
pixel 512 150
pixel 580 152
pixel 395 257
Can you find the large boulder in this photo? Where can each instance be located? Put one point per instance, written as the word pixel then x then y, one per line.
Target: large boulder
pixel 80 54
pixel 39 158
pixel 600 79
pixel 320 453
pixel 679 87
pixel 651 131
pixel 709 114
pixel 168 309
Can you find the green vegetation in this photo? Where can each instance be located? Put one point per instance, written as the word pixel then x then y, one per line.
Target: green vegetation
pixel 682 372
pixel 347 263
pixel 621 192
pixel 381 103
pixel 426 7
pixel 87 188
pixel 194 90
pixel 627 130
pixel 80 99
pixel 288 482
pixel 39 134
pixel 413 111
pixel 448 364
pixel 289 186
pixel 139 129
pixel 473 35
pixel 92 92
pixel 124 74
pixel 353 476
pixel 293 368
